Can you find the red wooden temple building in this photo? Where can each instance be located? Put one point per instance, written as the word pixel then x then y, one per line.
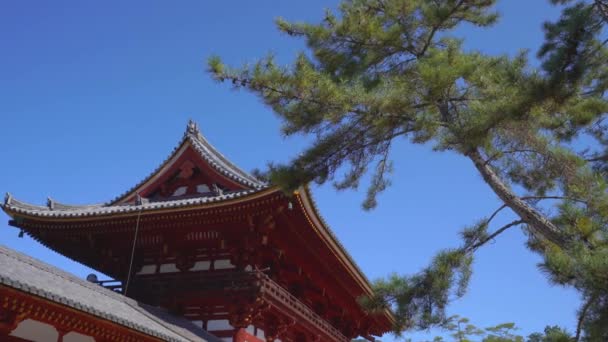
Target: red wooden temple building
pixel 207 241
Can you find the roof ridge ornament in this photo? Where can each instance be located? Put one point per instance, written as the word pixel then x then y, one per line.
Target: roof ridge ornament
pixel 217 190
pixel 7 198
pixel 192 128
pixel 50 203
pixel 140 200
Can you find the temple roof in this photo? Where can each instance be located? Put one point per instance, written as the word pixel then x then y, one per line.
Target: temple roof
pixel 193 151
pixel 59 210
pixel 34 277
pixel 225 181
pixel 210 155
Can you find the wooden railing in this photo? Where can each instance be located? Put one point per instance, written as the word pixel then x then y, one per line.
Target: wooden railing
pixel 282 295
pixel 243 281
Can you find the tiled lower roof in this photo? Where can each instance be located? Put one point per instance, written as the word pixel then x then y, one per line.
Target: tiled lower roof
pixel 32 276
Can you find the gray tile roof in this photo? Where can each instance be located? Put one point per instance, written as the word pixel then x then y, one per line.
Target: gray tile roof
pixel 193 137
pixel 54 209
pixel 212 156
pixel 217 159
pixel 37 278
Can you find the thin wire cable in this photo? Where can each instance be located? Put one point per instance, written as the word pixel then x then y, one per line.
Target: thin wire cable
pixel 133 251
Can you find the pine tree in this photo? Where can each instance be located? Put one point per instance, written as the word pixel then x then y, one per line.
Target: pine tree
pixel 461 330
pixel 551 334
pixel 381 70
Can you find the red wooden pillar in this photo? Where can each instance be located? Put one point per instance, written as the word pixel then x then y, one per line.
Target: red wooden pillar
pixel 242 335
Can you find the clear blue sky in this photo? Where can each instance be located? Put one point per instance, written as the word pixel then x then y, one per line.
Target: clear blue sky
pixel 94 95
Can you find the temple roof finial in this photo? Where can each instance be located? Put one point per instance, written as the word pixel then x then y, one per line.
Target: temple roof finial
pixel 139 199
pixel 7 198
pixel 192 127
pixel 50 203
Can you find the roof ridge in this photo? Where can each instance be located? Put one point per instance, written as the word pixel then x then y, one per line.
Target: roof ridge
pixel 83 211
pixel 53 204
pixel 199 143
pixel 150 175
pixel 36 263
pixel 220 163
pixel 195 132
pixel 209 153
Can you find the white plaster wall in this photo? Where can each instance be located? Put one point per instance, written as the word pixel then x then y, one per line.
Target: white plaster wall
pixel 218 324
pixel 201 266
pixel 76 337
pixel 259 333
pixel 168 268
pixel 147 269
pixel 35 331
pixel 222 264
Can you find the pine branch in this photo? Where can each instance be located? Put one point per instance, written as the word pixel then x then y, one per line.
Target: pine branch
pixel 602 158
pixel 436 27
pixel 554 197
pixel 537 222
pixel 500 153
pixel 499 231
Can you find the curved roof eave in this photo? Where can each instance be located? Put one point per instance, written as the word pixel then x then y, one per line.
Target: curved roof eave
pixel 16 208
pixel 210 154
pixel 310 208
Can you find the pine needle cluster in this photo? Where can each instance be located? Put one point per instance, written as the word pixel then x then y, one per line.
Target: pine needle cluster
pixel 381 70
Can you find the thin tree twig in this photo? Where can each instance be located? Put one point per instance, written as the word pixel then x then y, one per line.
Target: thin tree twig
pixel 493 235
